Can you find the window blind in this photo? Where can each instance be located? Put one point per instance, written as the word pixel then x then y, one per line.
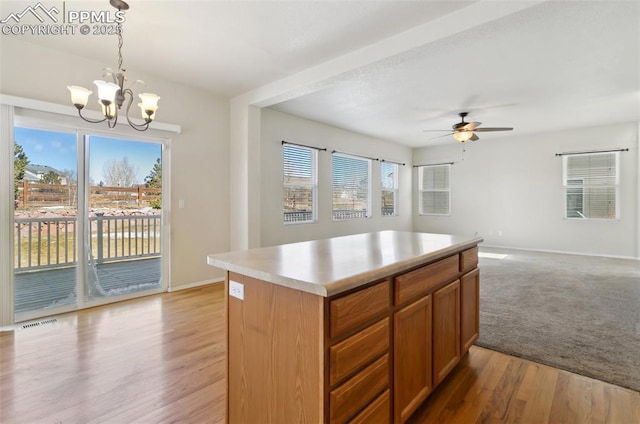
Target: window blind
pixel 591 185
pixel 434 189
pixel 351 186
pixel 300 183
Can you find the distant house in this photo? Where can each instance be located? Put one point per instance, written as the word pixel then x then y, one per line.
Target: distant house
pixel 34 173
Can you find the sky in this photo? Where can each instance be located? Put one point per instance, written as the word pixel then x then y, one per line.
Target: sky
pixel 59 151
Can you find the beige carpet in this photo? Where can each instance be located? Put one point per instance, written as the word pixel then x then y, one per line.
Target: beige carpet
pixel 577 313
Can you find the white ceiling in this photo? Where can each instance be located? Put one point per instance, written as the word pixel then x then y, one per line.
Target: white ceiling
pixel 557 64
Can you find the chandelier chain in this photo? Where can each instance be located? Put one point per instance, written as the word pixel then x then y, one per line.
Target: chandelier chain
pixel 120 42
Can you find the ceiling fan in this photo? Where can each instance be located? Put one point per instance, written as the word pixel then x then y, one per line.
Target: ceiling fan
pixel 465 131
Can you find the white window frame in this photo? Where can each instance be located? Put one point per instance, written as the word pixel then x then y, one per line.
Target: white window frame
pixel 422 190
pixel 312 185
pixel 567 187
pixel 393 190
pixel 367 213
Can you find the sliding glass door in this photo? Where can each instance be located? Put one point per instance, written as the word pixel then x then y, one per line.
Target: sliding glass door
pixel 124 221
pixel 88 220
pixel 45 219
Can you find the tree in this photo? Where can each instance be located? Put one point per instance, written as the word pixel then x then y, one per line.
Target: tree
pixel 20 162
pixel 154 179
pixel 119 173
pixel 51 177
pixel 70 176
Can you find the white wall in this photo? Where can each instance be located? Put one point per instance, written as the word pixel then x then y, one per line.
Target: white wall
pixel 509 191
pixel 278 126
pixel 200 155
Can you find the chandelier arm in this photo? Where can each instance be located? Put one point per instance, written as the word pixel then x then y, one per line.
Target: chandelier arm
pixel 138 127
pixel 111 123
pixel 92 121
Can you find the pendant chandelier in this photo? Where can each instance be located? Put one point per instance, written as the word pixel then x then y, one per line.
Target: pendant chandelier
pixel 112 94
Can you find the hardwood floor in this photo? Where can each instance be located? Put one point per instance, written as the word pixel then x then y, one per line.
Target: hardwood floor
pixel 160 359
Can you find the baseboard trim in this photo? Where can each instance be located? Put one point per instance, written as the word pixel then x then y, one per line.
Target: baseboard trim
pixel 560 251
pixel 193 285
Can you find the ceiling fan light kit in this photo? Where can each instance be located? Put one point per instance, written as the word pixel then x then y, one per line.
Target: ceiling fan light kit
pixel 112 95
pixel 466 131
pixel 462 136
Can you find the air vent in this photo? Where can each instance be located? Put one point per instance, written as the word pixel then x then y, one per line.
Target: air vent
pixel 38 323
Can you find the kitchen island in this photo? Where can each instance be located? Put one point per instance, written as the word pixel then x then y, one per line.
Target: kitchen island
pixel 357 329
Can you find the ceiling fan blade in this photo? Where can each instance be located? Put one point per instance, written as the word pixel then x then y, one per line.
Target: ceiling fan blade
pixel 474 137
pixel 486 129
pixel 440 136
pixel 465 126
pixel 470 126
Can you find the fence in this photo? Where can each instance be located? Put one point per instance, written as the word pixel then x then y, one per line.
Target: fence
pixel 51 242
pixel 38 195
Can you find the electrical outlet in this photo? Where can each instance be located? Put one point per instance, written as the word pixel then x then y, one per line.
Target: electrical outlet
pixel 236 290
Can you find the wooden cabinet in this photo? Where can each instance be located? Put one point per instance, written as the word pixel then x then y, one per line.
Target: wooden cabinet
pixel 412 363
pixel 359 391
pixel 424 279
pixel 378 412
pixel 348 313
pixel 353 353
pixel 370 355
pixel 469 309
pixel 359 365
pixel 446 330
pixel 468 259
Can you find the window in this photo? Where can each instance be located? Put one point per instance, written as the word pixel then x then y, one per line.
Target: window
pixel 434 190
pixel 351 187
pixel 300 184
pixel 389 186
pixel 591 185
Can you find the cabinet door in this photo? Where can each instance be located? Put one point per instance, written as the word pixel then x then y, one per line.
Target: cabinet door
pixel 470 309
pixel 446 330
pixel 412 357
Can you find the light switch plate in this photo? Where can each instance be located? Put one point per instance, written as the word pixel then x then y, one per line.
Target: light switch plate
pixel 236 290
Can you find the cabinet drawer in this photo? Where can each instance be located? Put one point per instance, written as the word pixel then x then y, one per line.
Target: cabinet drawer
pixel 359 391
pixel 376 413
pixel 421 280
pixel 356 309
pixel 358 350
pixel 468 259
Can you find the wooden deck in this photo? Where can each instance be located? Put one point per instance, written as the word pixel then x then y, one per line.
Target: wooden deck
pixel 55 287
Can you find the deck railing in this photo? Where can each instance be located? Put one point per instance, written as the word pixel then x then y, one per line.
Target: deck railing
pixel 42 243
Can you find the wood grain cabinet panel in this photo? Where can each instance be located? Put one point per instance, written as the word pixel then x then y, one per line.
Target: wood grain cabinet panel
pixel 378 412
pixel 353 353
pixel 356 309
pixel 412 346
pixel 469 309
pixel 359 391
pixel 420 281
pixel 468 259
pixel 446 330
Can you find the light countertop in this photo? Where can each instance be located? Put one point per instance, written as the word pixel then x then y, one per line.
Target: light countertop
pixel 330 266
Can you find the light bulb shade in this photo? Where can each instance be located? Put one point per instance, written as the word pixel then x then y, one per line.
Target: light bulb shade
pixel 109 111
pixel 462 136
pixel 79 95
pixel 106 91
pixel 144 113
pixel 149 104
